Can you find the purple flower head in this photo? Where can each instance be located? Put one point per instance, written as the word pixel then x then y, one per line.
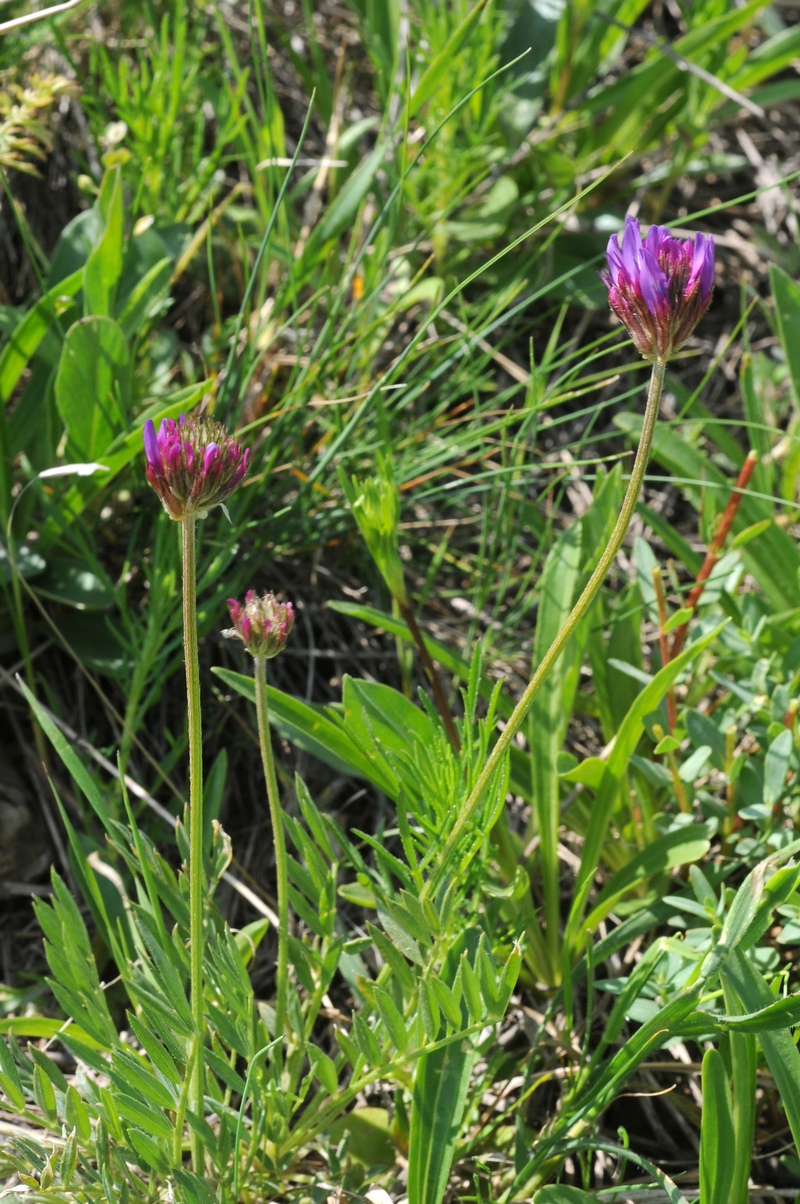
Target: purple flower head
pixel 263 624
pixel 193 464
pixel 659 286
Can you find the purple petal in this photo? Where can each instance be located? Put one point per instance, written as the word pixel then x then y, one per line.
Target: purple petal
pixel 702 265
pixel 614 259
pixel 653 282
pixel 151 444
pixel 632 247
pixel 211 454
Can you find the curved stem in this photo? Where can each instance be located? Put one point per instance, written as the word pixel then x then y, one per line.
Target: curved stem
pixel 576 614
pixel 281 869
pixel 196 872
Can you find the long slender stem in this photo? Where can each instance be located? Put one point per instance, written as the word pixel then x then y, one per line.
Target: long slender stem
pixel 576 614
pixel 281 869
pixel 196 874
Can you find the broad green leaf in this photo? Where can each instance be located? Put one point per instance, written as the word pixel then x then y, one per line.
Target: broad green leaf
pixel 440 1094
pixel 25 339
pixel 144 296
pixel 783 1013
pixel 103 268
pixel 92 387
pixel 383 720
pixel 371 1135
pixel 70 582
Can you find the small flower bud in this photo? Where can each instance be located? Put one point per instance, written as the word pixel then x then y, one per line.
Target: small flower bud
pixel 659 287
pixel 193 464
pixel 262 624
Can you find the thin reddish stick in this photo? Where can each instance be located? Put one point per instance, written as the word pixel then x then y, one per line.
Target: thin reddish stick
pixel 658 584
pixel 715 548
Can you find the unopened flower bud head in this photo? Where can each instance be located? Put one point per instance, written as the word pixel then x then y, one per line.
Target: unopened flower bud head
pixel 659 287
pixel 193 464
pixel 263 624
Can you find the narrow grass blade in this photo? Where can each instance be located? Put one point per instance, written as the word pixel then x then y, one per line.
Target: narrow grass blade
pixel 783 1056
pixel 716 1132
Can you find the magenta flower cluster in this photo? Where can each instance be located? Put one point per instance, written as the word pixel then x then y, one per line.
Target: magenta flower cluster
pixel 193 464
pixel 263 624
pixel 659 287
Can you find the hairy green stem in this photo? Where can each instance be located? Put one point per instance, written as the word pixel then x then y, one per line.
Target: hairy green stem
pixel 196 873
pixel 281 869
pixel 576 614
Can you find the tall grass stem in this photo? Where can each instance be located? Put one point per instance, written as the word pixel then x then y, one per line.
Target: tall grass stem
pixel 281 868
pixel 196 872
pixel 576 614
